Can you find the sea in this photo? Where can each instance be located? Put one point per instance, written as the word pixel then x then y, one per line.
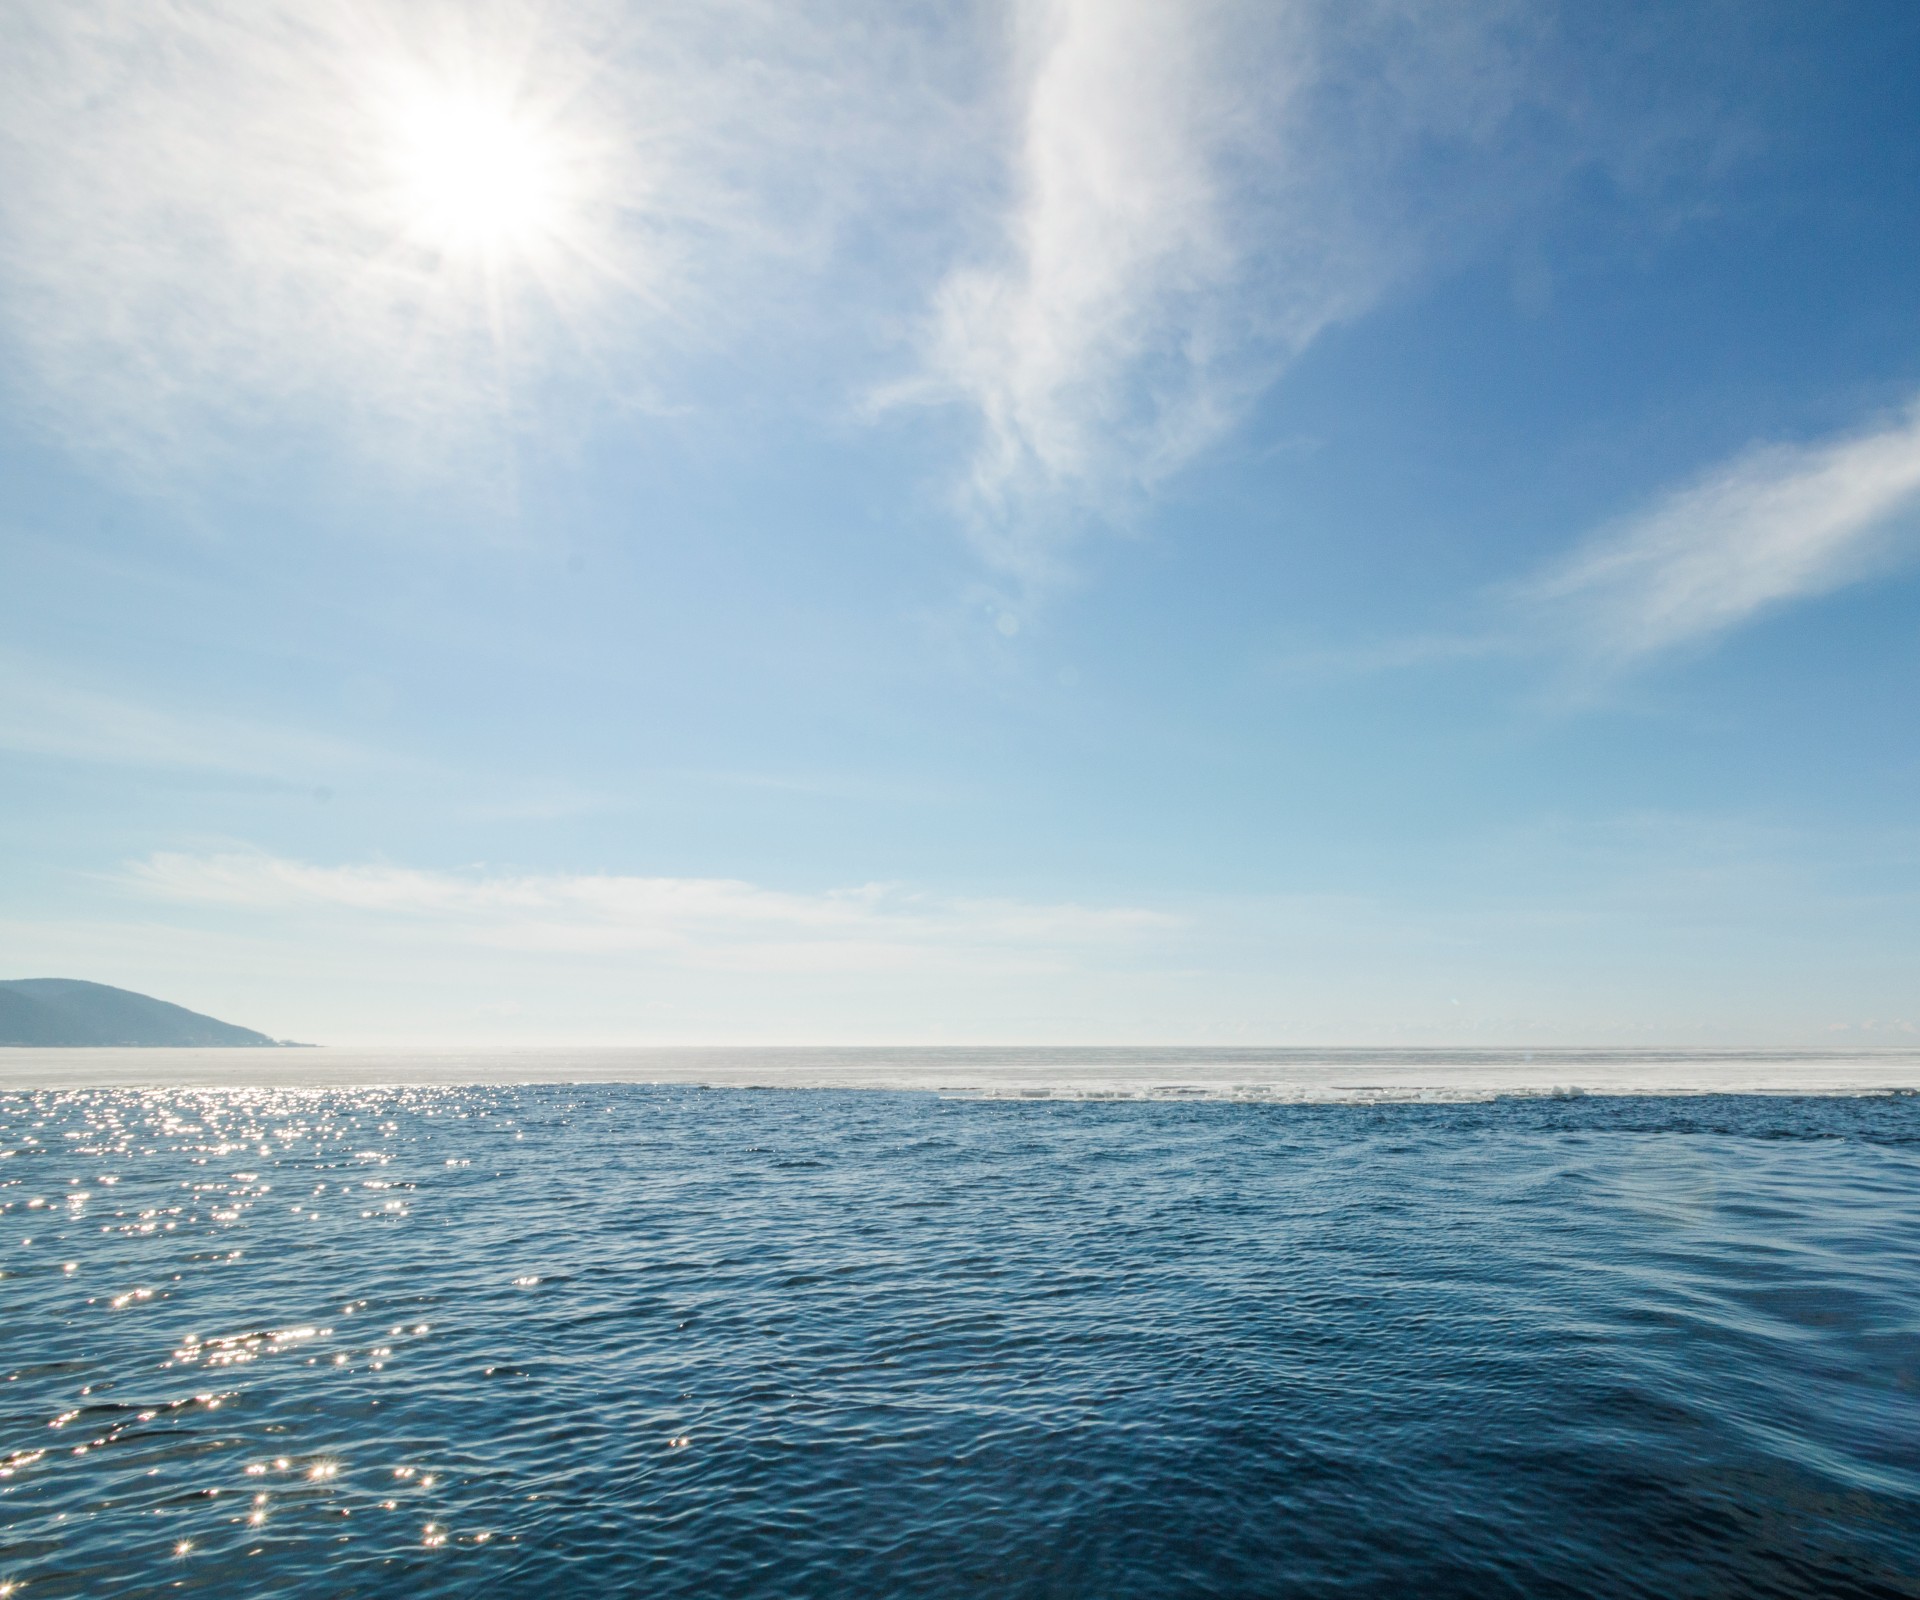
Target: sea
pixel 1068 1324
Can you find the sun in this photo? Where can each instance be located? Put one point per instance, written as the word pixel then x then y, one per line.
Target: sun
pixel 477 175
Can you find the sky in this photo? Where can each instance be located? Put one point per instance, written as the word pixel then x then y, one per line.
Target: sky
pixel 1047 521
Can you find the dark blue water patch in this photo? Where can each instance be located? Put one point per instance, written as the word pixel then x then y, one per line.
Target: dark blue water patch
pixel 666 1341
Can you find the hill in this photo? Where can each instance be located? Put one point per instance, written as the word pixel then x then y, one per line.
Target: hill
pixel 70 1011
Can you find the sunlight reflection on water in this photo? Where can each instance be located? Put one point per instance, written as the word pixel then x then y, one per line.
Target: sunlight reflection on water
pixel 720 1342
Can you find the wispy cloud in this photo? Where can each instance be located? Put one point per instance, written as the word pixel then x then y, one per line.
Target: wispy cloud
pixel 1114 221
pixel 1195 194
pixel 1777 524
pixel 1094 340
pixel 703 921
pixel 239 222
pixel 1116 254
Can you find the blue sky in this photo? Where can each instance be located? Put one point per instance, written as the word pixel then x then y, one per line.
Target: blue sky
pixel 1044 521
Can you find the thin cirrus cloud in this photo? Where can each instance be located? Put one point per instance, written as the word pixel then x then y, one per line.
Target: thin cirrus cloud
pixel 1771 526
pixel 1115 221
pixel 391 225
pixel 1196 193
pixel 700 921
pixel 1118 254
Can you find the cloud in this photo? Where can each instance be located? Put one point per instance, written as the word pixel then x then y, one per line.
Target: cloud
pixel 1777 524
pixel 1195 194
pixel 702 921
pixel 1639 928
pixel 1115 245
pixel 241 230
pixel 1092 340
pixel 231 224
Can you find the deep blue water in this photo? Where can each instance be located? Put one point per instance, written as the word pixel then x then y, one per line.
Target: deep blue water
pixel 674 1341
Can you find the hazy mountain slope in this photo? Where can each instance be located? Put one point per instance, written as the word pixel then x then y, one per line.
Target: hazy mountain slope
pixel 70 1011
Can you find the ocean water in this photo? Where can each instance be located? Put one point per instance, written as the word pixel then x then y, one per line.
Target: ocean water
pixel 671 1340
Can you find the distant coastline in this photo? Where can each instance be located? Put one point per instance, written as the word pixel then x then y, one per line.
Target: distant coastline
pixel 73 1013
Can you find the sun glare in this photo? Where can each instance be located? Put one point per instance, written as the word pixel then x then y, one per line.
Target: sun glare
pixel 477 177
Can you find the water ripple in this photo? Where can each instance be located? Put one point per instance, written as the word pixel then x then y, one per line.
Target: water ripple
pixel 666 1340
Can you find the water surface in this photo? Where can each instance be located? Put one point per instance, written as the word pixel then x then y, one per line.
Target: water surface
pixel 670 1340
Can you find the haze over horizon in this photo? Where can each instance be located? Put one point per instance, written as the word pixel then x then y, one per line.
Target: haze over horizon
pixel 1058 521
